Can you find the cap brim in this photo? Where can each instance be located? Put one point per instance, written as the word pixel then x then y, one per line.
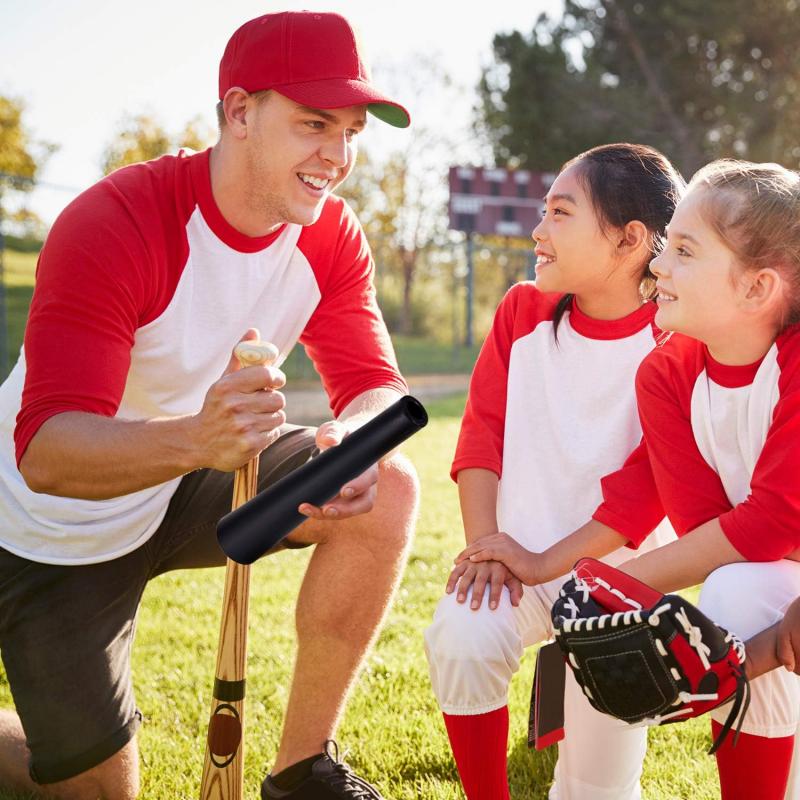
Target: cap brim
pixel 343 92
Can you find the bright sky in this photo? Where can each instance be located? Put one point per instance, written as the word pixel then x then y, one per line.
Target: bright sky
pixel 82 65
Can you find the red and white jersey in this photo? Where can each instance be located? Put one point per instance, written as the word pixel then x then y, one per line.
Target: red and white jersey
pixel 551 418
pixel 724 441
pixel 142 290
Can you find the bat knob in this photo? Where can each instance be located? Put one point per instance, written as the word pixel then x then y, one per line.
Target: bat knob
pixel 256 353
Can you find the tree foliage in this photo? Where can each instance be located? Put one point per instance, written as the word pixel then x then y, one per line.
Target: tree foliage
pixel 402 224
pixel 196 135
pixel 142 137
pixel 21 160
pixel 21 156
pixel 698 81
pixel 17 160
pixel 401 200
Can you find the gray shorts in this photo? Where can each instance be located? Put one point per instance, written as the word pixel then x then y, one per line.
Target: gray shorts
pixel 66 632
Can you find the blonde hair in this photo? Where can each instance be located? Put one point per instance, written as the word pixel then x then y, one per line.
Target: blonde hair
pixel 755 211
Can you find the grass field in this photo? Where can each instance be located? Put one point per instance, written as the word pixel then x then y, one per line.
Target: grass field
pixel 392 725
pixel 19 271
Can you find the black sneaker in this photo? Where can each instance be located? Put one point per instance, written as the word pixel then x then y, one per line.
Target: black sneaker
pixel 330 779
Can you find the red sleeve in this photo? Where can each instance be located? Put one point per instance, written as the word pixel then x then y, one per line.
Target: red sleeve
pixel 766 526
pixel 90 293
pixel 631 504
pixel 690 490
pixel 480 441
pixel 346 337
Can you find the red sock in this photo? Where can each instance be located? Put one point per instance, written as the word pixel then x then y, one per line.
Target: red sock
pixel 479 743
pixel 756 767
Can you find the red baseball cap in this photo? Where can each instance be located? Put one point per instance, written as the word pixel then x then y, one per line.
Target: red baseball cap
pixel 309 57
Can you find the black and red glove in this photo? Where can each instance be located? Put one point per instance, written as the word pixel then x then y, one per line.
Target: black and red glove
pixel 646 657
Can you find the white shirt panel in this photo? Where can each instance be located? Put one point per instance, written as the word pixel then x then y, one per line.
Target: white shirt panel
pixel 570 419
pixel 730 425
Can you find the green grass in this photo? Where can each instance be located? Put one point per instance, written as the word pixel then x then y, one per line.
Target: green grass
pixel 392 724
pixel 19 269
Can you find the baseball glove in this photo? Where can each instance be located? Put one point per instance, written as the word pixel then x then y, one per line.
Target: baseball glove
pixel 645 657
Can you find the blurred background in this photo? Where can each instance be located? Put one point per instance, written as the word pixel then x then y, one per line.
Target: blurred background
pixel 89 86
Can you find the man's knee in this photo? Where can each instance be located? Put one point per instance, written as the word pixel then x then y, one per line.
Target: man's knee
pixel 398 502
pixel 117 778
pixel 398 482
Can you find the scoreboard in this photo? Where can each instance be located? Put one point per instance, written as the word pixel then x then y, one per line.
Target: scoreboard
pixel 497 202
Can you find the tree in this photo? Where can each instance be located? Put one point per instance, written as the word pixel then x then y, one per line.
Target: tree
pixel 383 195
pixel 142 137
pixel 138 138
pixel 21 156
pixel 197 134
pixel 401 199
pixel 26 226
pixel 698 83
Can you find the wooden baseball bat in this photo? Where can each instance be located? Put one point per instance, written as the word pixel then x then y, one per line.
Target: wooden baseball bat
pixel 223 771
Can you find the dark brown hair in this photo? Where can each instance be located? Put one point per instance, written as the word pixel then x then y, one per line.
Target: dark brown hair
pixel 627 182
pixel 755 211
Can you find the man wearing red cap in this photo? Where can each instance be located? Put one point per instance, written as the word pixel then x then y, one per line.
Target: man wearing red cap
pixel 118 436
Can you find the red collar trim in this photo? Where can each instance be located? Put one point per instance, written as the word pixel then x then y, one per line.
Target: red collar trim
pixel 730 376
pixel 223 230
pixel 621 328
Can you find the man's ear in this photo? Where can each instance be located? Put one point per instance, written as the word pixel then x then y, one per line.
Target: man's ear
pixel 763 289
pixel 234 104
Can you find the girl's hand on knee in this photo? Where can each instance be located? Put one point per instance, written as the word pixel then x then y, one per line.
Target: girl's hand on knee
pixel 477 576
pixel 524 564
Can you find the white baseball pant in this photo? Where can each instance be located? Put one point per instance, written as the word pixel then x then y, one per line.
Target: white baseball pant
pixel 472 656
pixel 746 598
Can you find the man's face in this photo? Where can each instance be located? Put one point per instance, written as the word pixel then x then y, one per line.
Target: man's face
pixel 296 156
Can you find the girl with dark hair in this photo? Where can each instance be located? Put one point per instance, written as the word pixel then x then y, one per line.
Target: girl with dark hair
pixel 551 410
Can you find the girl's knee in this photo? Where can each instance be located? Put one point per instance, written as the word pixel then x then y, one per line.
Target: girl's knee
pixel 747 597
pixel 461 633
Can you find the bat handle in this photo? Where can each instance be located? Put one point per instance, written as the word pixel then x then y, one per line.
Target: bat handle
pixel 223 770
pixel 245 481
pixel 256 353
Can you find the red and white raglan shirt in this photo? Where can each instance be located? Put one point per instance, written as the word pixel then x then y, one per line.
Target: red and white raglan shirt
pixel 142 290
pixel 724 441
pixel 552 417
